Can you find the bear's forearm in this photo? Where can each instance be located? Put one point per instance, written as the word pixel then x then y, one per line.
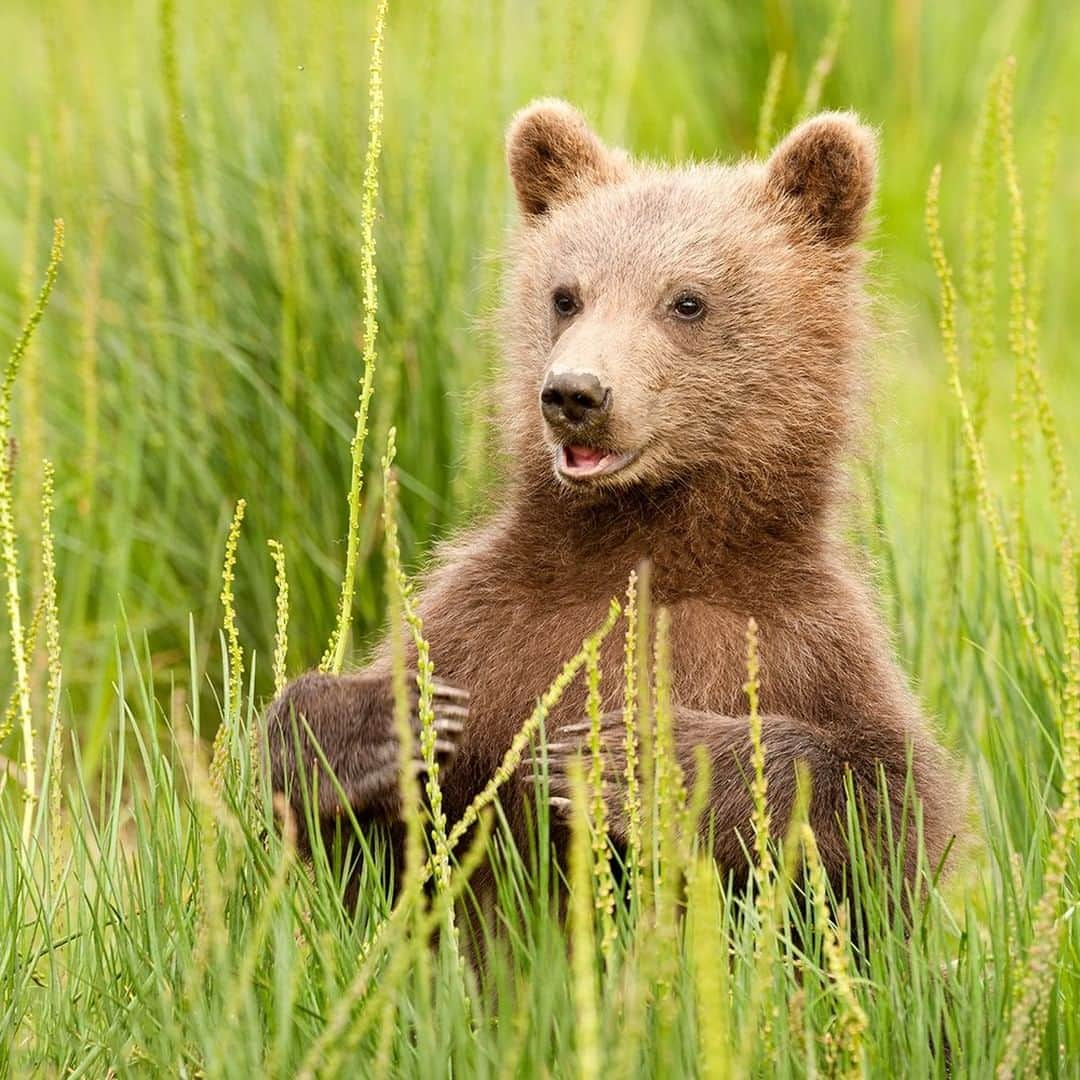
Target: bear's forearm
pixel 830 762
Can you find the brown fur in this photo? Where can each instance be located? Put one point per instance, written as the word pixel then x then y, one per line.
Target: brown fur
pixel 554 157
pixel 740 421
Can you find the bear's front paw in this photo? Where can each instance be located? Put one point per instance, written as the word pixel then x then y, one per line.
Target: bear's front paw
pixel 571 743
pixel 347 738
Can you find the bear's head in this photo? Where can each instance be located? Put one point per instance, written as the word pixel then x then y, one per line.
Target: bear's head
pixel 680 327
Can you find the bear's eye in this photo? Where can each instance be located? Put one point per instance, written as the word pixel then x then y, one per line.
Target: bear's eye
pixel 688 307
pixel 565 303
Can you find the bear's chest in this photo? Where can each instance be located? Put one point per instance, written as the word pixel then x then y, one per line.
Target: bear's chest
pixel 509 659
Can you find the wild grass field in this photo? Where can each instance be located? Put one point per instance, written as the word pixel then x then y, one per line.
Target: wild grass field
pixel 246 192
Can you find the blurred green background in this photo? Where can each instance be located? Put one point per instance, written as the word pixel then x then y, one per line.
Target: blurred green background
pixel 203 343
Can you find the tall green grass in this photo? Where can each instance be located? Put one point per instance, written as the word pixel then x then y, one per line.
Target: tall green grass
pixel 214 319
pixel 209 161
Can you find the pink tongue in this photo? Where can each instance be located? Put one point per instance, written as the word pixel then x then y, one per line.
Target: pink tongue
pixel 583 455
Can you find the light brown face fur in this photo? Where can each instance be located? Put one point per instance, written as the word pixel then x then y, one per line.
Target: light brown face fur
pixel 719 307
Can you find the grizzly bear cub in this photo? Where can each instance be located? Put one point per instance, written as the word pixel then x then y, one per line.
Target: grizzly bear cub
pixel 683 353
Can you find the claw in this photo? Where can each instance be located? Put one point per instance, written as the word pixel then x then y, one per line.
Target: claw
pixel 562 747
pixel 451 692
pixel 445 746
pixel 608 722
pixel 445 709
pixel 559 804
pixel 576 729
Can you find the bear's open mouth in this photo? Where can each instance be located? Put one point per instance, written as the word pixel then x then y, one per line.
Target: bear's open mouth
pixel 587 462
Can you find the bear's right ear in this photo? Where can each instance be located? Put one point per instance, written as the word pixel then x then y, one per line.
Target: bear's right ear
pixel 825 170
pixel 554 157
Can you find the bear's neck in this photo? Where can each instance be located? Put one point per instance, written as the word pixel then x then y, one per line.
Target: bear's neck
pixel 700 534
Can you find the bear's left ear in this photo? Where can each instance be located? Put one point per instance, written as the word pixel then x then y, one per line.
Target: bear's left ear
pixel 554 157
pixel 825 170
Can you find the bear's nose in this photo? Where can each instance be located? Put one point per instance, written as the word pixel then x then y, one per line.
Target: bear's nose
pixel 574 396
